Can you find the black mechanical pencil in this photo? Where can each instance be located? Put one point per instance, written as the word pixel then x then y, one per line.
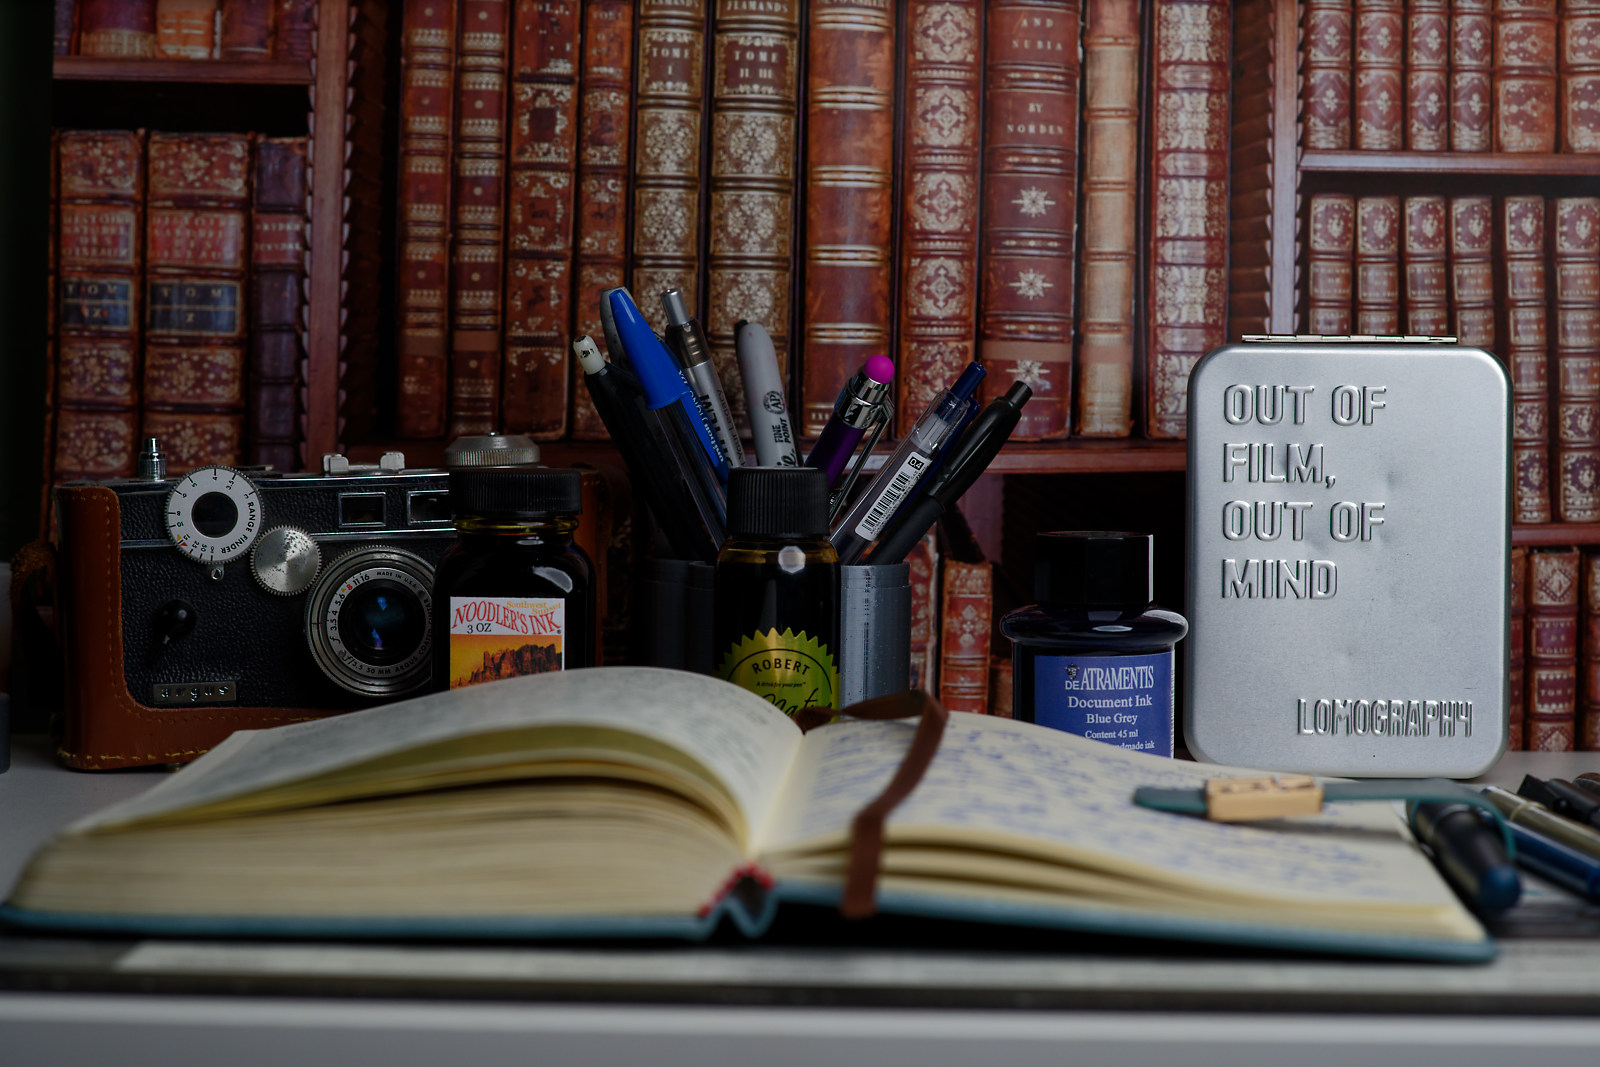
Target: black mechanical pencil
pixel 969 458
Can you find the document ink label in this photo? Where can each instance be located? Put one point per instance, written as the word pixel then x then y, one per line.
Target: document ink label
pixel 494 637
pixel 1121 700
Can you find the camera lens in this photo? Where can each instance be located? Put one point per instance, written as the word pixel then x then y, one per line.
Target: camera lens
pixel 382 622
pixel 214 515
pixel 367 621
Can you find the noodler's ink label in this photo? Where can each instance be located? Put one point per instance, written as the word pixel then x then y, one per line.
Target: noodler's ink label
pixel 494 637
pixel 792 671
pixel 1121 700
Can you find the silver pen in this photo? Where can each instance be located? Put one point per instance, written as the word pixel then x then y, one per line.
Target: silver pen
pixel 688 342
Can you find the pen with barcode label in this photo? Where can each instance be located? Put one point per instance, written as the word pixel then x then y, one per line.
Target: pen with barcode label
pixel 907 466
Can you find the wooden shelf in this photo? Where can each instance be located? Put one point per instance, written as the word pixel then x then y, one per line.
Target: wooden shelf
pixel 1529 163
pixel 215 71
pixel 1125 456
pixel 1557 533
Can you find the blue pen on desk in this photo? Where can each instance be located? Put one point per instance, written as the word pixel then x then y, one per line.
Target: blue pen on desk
pixel 1556 862
pixel 908 466
pixel 664 387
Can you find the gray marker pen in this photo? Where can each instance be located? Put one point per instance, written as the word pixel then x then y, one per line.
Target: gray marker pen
pixel 688 343
pixel 764 398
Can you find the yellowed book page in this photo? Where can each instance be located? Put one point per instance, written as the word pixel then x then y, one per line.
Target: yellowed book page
pixel 999 785
pixel 745 741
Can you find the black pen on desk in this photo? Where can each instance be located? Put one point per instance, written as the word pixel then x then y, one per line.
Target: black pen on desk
pixel 1563 798
pixel 1589 782
pixel 688 526
pixel 968 459
pixel 1470 852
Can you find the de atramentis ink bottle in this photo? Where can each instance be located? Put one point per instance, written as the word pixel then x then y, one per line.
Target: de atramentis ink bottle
pixel 1094 656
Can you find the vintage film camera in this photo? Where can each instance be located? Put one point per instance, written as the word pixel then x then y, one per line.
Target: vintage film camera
pixel 239 598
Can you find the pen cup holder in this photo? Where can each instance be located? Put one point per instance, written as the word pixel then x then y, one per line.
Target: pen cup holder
pixel 874 631
pixel 677 607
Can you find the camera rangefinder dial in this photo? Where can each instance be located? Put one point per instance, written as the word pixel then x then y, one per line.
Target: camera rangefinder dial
pixel 213 515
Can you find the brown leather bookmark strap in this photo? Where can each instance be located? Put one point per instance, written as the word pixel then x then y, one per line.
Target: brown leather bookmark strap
pixel 866 834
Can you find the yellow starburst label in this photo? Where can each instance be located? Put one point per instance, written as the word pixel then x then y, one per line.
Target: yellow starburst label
pixel 791 670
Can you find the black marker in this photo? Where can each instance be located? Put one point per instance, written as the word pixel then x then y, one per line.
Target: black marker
pixel 1470 852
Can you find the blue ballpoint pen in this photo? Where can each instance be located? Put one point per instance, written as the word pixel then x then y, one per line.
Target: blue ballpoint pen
pixel 1567 867
pixel 664 387
pixel 908 466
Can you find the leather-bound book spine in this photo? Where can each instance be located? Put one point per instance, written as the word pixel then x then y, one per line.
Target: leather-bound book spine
pixel 65 37
pixel 1516 669
pixel 924 559
pixel 667 170
pixel 186 29
pixel 277 302
pixel 1188 196
pixel 1426 229
pixel 1377 268
pixel 120 28
pixel 603 181
pixel 1256 166
pixel 1472 300
pixel 966 619
pixel 539 204
pixel 754 114
pixel 1525 75
pixel 100 252
pixel 849 198
pixel 1471 60
pixel 294 31
pixel 938 200
pixel 1330 263
pixel 1551 665
pixel 1110 213
pixel 1328 51
pixel 1379 108
pixel 422 274
pixel 197 252
pixel 1030 178
pixel 52 281
pixel 1522 230
pixel 1587 732
pixel 246 29
pixel 1579 69
pixel 477 268
pixel 1575 259
pixel 1428 75
pixel 1002 686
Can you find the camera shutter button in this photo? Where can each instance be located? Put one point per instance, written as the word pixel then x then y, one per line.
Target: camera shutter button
pixel 285 560
pixel 173 620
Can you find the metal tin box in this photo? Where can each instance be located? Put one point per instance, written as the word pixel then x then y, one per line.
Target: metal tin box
pixel 1348 557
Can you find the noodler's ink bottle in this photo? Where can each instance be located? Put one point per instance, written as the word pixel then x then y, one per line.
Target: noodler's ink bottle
pixel 775 616
pixel 1094 655
pixel 514 595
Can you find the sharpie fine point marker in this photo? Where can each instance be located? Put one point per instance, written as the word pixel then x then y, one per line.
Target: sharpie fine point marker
pixel 688 524
pixel 764 397
pixel 907 467
pixel 688 342
pixel 664 386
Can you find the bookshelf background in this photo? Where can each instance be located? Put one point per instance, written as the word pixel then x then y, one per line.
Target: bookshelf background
pixel 348 100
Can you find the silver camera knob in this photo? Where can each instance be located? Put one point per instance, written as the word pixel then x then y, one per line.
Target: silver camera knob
pixel 285 561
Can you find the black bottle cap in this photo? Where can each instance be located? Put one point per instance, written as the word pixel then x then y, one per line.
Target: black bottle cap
pixel 778 502
pixel 516 492
pixel 1094 569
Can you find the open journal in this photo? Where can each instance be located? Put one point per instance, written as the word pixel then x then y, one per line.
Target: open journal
pixel 634 801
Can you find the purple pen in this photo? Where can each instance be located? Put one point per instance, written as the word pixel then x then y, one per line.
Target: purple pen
pixel 859 407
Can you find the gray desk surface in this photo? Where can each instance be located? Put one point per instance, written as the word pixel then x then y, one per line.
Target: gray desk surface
pixel 795 1001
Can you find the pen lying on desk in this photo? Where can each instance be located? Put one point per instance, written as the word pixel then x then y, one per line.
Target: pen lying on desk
pixel 1520 811
pixel 1469 851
